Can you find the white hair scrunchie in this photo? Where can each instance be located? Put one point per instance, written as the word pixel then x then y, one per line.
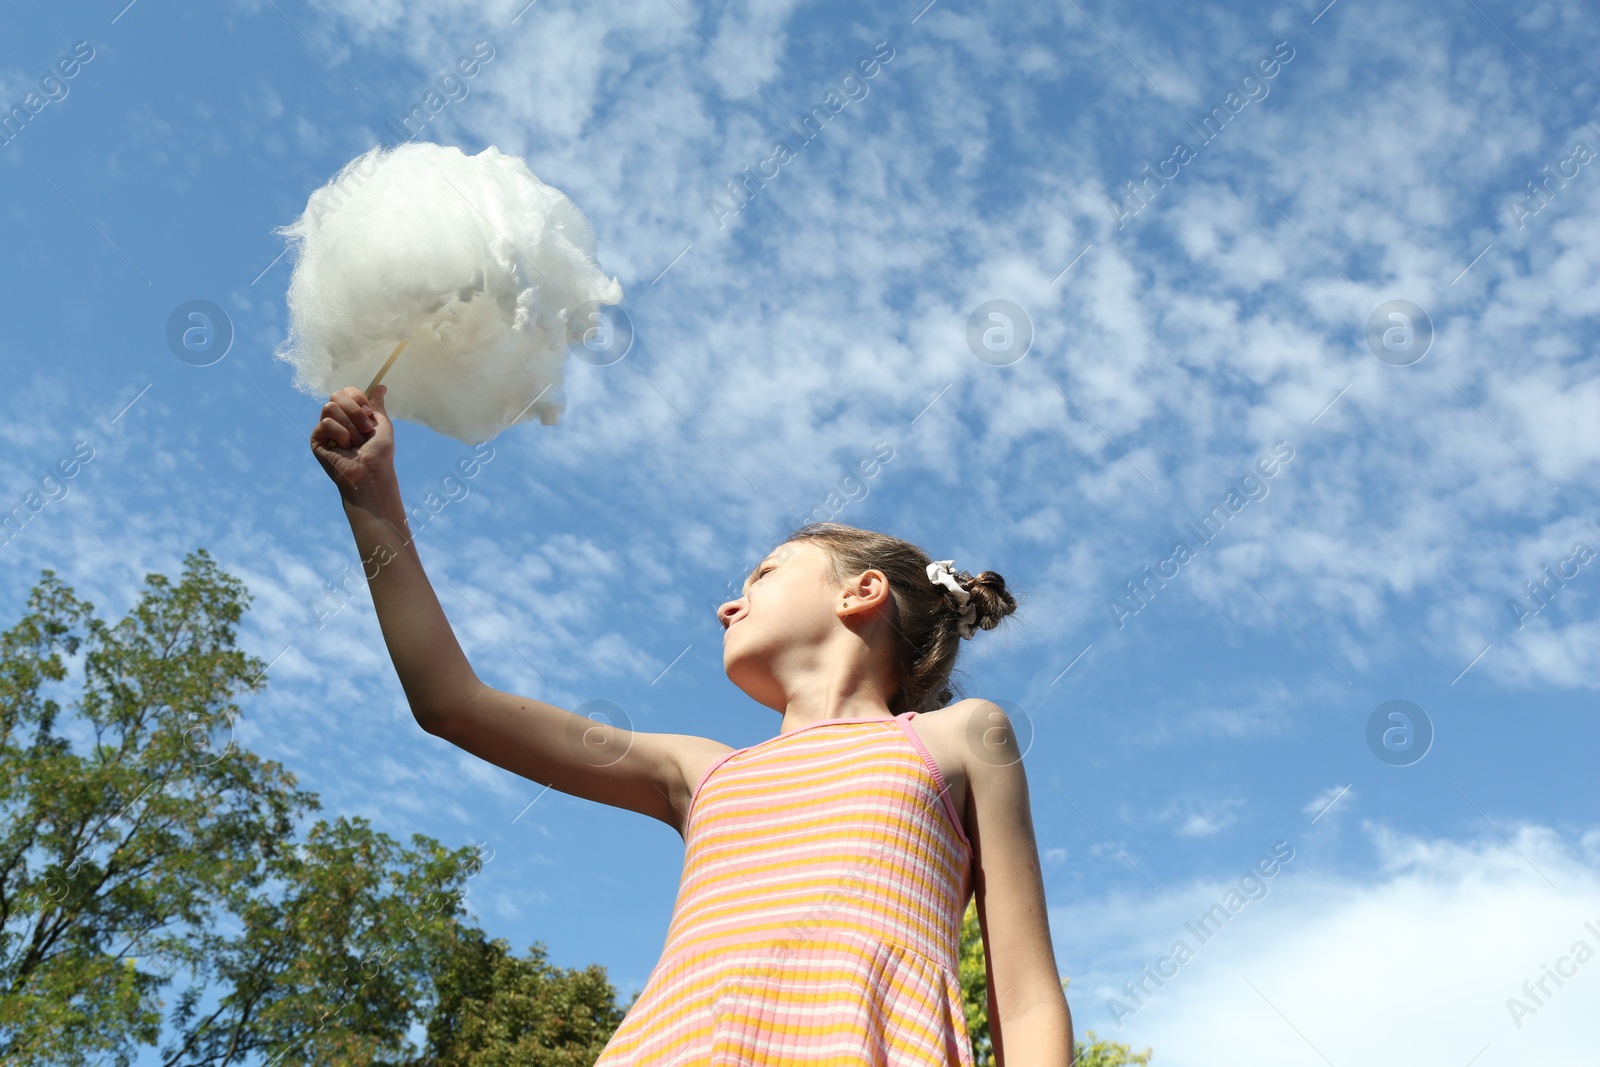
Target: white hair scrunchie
pixel 939 573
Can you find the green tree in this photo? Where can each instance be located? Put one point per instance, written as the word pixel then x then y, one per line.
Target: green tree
pixel 141 842
pixel 974 980
pixel 496 1010
pixel 1094 1053
pixel 338 964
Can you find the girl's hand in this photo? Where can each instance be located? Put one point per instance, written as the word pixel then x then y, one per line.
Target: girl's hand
pixel 354 442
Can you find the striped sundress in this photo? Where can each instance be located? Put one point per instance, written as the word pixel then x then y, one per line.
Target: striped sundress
pixel 818 919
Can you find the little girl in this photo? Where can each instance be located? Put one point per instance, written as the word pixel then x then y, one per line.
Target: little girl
pixel 826 869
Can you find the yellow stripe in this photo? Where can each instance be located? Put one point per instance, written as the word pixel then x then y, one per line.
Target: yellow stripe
pixel 735 815
pixel 803 764
pixel 712 893
pixel 716 900
pixel 687 1000
pixel 723 898
pixel 818 762
pixel 825 829
pixel 771 929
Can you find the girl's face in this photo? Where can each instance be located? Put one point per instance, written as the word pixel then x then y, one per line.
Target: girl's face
pixel 779 624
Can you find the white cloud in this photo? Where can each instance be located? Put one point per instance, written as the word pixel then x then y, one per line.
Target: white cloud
pixel 1325 802
pixel 1203 817
pixel 1412 961
pixel 1207 329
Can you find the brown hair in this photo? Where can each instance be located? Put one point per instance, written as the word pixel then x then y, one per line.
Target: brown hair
pixel 924 615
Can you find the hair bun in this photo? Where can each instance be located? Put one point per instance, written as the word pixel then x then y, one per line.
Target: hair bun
pixel 994 603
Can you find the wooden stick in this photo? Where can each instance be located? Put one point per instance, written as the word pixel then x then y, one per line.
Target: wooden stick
pixel 386 365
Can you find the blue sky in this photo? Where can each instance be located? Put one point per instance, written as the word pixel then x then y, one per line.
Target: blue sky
pixel 1388 158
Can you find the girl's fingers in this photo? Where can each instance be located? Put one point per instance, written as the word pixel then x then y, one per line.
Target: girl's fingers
pixel 364 405
pixel 334 432
pixel 359 413
pixel 348 417
pixel 355 404
pixel 370 407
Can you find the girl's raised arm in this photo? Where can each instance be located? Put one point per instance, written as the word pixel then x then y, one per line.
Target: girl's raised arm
pixel 643 772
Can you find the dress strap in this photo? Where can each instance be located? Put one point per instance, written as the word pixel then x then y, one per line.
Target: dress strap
pixel 938 776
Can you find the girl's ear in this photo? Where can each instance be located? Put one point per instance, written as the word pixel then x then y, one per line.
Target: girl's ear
pixel 879 583
pixel 867 590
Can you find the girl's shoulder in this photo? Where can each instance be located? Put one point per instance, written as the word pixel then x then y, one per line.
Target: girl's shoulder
pixel 956 722
pixel 962 736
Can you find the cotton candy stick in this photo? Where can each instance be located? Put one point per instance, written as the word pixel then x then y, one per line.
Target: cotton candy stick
pixel 385 368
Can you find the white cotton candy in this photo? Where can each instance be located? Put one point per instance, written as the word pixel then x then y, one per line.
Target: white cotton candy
pixel 472 260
